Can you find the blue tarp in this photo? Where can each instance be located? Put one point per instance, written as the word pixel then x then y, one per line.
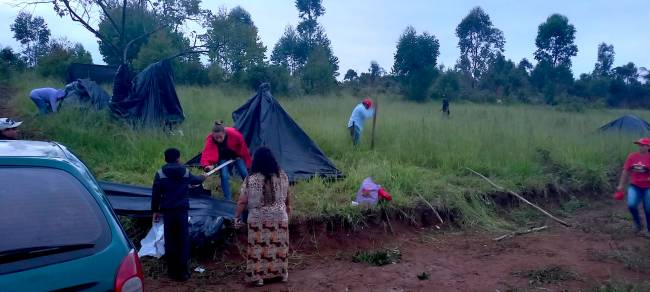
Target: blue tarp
pixel 627 124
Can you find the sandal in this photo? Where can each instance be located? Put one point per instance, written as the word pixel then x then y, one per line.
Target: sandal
pixel 258 283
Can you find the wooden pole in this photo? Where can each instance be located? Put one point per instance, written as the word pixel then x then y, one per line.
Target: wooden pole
pixel 520 197
pixel 374 123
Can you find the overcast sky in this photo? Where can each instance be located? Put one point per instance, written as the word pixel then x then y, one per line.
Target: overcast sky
pixel 366 30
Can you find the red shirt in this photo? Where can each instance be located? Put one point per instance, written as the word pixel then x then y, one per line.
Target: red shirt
pixel 235 142
pixel 638 166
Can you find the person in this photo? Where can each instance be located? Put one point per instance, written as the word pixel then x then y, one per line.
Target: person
pixel 169 198
pixel 9 129
pixel 360 113
pixel 221 145
pixel 265 194
pixel 445 106
pixel 637 170
pixel 47 99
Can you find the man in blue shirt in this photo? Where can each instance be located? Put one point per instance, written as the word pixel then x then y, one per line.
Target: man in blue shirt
pixel 47 99
pixel 360 114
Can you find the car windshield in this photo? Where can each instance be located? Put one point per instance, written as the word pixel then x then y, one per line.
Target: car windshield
pixel 45 211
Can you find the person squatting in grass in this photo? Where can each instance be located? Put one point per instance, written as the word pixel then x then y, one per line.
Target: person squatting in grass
pixel 9 129
pixel 360 114
pixel 221 145
pixel 47 99
pixel 170 193
pixel 637 168
pixel 265 194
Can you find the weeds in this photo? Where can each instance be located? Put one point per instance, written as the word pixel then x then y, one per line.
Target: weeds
pixel 378 257
pixel 623 286
pixel 548 275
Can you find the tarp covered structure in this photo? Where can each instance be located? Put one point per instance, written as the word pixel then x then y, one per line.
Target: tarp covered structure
pixel 97 73
pixel 207 215
pixel 627 124
pixel 264 122
pixel 151 99
pixel 86 91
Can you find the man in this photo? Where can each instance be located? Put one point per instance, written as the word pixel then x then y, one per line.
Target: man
pixel 170 193
pixel 360 114
pixel 9 129
pixel 445 106
pixel 221 145
pixel 47 99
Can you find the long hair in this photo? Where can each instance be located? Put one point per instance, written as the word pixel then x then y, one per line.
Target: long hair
pixel 264 163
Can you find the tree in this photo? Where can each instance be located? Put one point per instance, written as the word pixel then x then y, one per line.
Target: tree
pixel 603 67
pixel 159 45
pixel 234 42
pixel 628 73
pixel 309 11
pixel 375 71
pixel 525 66
pixel 415 62
pixel 318 73
pixel 479 42
pixel 350 75
pixel 289 51
pixel 447 85
pixel 33 34
pixel 554 41
pixel 139 22
pixel 59 57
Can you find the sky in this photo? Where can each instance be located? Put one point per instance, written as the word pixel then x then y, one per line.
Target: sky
pixel 362 31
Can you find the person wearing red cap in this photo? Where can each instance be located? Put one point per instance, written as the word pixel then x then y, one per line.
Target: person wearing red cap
pixel 360 114
pixel 637 171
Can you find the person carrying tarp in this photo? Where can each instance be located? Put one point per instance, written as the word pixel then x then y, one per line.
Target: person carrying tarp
pixel 47 99
pixel 221 145
pixel 360 114
pixel 169 197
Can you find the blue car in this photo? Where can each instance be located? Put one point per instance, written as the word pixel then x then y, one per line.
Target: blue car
pixel 57 229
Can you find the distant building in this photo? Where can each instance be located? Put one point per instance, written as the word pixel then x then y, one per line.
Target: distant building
pixel 97 73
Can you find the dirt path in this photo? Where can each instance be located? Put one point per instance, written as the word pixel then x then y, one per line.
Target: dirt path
pixel 600 249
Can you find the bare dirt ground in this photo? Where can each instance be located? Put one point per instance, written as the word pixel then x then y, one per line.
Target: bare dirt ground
pixel 600 250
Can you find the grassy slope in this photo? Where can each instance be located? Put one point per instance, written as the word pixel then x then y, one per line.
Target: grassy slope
pixel 418 150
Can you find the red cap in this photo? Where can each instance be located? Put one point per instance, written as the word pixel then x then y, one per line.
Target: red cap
pixel 643 141
pixel 367 102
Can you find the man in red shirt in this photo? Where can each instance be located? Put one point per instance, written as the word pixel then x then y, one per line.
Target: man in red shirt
pixel 637 171
pixel 221 145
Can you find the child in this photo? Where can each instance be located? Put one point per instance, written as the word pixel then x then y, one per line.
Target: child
pixel 170 198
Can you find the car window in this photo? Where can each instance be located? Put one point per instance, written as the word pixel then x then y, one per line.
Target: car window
pixel 46 207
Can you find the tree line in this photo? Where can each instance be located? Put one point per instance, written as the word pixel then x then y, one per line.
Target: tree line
pixel 302 61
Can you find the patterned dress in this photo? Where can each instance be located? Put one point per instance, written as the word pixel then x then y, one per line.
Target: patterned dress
pixel 268 227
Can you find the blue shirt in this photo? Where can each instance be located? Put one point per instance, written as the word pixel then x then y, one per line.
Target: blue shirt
pixel 51 95
pixel 359 115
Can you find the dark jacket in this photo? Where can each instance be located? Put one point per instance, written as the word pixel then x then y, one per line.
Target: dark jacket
pixel 170 189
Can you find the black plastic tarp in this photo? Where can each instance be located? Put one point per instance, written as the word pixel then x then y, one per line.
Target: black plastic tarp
pixel 97 73
pixel 207 215
pixel 627 124
pixel 152 99
pixel 86 91
pixel 264 122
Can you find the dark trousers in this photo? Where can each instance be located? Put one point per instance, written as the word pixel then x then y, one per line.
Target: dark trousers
pixel 177 243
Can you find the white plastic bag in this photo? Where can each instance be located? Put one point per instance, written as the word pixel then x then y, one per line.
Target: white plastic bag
pixel 154 243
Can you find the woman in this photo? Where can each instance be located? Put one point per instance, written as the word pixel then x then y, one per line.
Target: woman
pixel 221 145
pixel 265 193
pixel 637 167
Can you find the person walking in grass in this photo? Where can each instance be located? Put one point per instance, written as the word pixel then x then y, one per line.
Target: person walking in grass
pixel 47 99
pixel 169 199
pixel 637 170
pixel 445 107
pixel 360 114
pixel 221 145
pixel 9 129
pixel 265 194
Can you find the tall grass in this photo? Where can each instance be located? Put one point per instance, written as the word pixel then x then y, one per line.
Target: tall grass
pixel 418 151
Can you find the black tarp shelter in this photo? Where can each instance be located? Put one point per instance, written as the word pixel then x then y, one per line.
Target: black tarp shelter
pixel 86 91
pixel 151 99
pixel 627 124
pixel 97 73
pixel 264 122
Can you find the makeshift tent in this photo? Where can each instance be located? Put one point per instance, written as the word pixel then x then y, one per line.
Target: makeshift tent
pixel 263 122
pixel 627 124
pixel 152 99
pixel 207 216
pixel 97 73
pixel 85 91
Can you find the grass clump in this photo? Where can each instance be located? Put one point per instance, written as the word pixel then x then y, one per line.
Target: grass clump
pixel 380 257
pixel 548 275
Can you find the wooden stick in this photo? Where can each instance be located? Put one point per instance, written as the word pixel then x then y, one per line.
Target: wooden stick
pixel 520 197
pixel 520 232
pixel 432 208
pixel 374 122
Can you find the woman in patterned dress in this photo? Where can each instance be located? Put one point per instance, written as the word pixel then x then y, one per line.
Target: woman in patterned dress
pixel 265 193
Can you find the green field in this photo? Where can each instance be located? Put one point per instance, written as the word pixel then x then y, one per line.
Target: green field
pixel 418 151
